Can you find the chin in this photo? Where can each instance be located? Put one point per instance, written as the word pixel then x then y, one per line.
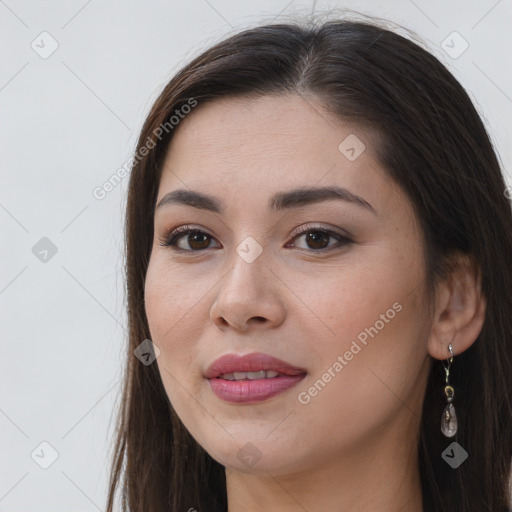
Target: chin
pixel 255 458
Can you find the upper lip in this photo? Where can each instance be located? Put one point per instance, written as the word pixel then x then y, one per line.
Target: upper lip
pixel 253 362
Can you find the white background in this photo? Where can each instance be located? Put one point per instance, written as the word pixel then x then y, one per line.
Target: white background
pixel 67 123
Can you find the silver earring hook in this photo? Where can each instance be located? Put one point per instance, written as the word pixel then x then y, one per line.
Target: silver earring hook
pixel 450 361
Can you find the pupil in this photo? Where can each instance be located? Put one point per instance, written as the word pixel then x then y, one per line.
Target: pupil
pixel 314 237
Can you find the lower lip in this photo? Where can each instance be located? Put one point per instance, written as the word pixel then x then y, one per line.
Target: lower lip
pixel 244 391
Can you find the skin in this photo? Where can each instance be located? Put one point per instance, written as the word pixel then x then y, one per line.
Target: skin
pixel 353 445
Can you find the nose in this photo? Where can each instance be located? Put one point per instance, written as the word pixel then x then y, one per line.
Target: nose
pixel 249 296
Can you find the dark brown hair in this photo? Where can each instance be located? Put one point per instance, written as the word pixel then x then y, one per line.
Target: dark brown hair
pixel 435 147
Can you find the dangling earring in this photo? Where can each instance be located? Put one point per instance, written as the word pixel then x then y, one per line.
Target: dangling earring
pixel 449 418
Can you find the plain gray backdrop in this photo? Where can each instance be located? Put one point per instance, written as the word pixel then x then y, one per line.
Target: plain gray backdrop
pixel 76 81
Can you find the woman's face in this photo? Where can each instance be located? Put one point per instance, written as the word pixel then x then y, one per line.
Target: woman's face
pixel 333 286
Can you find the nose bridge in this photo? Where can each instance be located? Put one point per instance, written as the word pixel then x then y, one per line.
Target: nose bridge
pixel 248 262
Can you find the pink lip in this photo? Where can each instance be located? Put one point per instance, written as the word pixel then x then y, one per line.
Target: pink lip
pixel 251 390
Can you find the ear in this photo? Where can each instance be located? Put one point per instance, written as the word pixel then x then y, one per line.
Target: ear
pixel 459 309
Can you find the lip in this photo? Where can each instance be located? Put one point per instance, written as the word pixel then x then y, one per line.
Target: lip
pixel 254 362
pixel 250 391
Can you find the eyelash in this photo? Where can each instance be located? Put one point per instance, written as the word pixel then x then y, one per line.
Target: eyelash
pixel 173 236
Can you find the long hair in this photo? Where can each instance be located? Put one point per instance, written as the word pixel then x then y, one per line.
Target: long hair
pixel 434 145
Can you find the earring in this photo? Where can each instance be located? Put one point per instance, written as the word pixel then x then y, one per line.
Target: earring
pixel 449 418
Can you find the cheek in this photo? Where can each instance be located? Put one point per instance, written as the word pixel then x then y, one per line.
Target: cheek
pixel 166 307
pixel 170 296
pixel 174 302
pixel 360 386
pixel 344 303
pixel 372 318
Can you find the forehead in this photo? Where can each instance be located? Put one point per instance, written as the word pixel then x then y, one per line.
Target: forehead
pixel 260 145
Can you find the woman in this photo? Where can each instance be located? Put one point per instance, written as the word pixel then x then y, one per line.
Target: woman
pixel 319 290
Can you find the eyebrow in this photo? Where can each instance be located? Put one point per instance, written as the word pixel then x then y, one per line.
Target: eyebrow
pixel 279 201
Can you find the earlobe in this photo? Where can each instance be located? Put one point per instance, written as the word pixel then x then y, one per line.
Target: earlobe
pixel 459 311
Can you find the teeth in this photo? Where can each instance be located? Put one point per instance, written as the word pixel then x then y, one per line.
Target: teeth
pixel 249 375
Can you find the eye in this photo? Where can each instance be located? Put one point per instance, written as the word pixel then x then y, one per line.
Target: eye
pixel 196 239
pixel 317 238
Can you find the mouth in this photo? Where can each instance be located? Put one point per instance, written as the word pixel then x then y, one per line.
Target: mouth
pixel 250 366
pixel 252 377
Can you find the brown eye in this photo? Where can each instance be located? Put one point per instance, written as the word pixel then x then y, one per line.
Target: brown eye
pixel 199 240
pixel 180 238
pixel 318 239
